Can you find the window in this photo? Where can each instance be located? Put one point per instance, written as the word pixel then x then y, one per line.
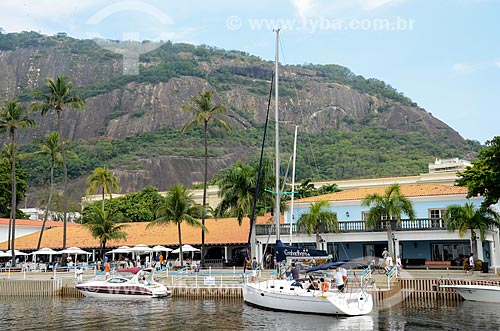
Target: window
pixel 454 252
pixel 436 213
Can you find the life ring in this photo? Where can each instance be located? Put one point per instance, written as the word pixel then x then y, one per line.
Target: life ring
pixel 325 287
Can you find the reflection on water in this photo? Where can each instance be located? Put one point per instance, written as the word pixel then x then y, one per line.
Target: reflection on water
pixel 185 314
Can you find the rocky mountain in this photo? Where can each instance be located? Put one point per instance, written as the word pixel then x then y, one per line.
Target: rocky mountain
pixel 320 99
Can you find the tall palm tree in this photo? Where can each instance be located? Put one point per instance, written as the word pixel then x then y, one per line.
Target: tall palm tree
pixel 386 208
pixel 13 116
pixel 204 111
pixel 104 226
pixel 178 207
pixel 237 189
pixel 51 147
pixel 468 217
pixel 103 179
pixel 58 95
pixel 319 217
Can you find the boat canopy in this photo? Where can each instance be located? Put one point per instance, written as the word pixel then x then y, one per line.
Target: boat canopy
pixel 283 252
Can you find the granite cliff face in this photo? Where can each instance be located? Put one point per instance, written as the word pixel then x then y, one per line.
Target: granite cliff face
pixel 119 106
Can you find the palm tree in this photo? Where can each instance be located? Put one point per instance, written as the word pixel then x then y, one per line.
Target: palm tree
pixel 102 178
pixel 204 111
pixel 12 117
pixel 57 96
pixel 237 189
pixel 468 217
pixel 51 147
pixel 178 207
pixel 104 226
pixel 318 218
pixel 386 208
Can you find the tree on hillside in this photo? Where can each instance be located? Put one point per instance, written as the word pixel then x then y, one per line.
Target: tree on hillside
pixel 468 217
pixel 52 148
pixel 102 179
pixel 58 95
pixel 319 218
pixel 105 226
pixel 204 110
pixel 6 185
pixel 13 116
pixel 179 207
pixel 483 178
pixel 386 208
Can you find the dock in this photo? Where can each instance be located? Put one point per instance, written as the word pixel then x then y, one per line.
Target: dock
pixel 412 285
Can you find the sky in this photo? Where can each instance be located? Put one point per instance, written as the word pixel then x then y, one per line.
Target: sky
pixel 444 55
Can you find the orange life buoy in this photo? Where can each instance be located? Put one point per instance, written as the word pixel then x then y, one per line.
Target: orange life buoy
pixel 325 286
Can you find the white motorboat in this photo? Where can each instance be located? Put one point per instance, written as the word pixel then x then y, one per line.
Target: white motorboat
pixel 483 293
pixel 131 283
pixel 283 295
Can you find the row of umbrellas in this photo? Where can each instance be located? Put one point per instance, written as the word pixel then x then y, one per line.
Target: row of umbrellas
pixel 46 251
pixel 141 248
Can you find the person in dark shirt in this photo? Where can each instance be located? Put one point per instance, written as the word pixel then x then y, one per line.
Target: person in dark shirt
pixel 295 272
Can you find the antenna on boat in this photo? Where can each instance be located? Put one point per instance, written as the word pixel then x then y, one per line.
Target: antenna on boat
pixel 277 186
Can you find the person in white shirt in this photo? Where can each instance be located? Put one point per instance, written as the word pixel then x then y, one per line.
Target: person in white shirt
pixel 471 263
pixel 339 280
pixel 388 262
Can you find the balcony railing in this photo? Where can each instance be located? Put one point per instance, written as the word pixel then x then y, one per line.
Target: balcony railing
pixel 360 226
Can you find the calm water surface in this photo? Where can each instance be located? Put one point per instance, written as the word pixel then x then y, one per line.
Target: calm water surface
pixel 185 314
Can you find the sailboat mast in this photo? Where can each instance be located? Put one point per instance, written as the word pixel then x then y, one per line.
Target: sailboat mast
pixel 293 180
pixel 277 167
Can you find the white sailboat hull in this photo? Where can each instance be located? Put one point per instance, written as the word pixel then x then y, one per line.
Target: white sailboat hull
pixel 281 295
pixel 483 293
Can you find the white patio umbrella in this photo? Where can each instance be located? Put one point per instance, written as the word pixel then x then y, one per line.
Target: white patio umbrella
pixel 45 251
pixel 141 248
pixel 119 250
pixel 160 248
pixel 187 248
pixel 9 253
pixel 75 251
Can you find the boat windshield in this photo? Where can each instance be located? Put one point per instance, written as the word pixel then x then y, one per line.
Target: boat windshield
pixel 116 280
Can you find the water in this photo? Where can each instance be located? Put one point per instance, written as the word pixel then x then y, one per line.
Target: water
pixel 187 314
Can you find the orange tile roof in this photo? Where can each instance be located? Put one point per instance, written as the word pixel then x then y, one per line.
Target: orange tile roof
pixel 413 190
pixel 35 223
pixel 221 231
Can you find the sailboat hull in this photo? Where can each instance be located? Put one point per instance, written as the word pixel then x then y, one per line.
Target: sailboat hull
pixel 283 296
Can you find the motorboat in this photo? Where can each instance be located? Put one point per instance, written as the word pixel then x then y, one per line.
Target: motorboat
pixel 483 293
pixel 285 295
pixel 131 283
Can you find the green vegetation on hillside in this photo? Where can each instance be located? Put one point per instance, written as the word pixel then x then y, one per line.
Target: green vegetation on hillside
pixel 364 152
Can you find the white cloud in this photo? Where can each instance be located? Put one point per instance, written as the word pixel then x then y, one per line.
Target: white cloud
pixel 315 8
pixel 469 68
pixel 303 8
pixel 463 68
pixel 39 15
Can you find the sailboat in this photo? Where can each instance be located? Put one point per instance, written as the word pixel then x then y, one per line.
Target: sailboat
pixel 289 295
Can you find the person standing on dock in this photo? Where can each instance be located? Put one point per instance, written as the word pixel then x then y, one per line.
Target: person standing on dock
pixel 471 263
pixel 295 272
pixel 107 267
